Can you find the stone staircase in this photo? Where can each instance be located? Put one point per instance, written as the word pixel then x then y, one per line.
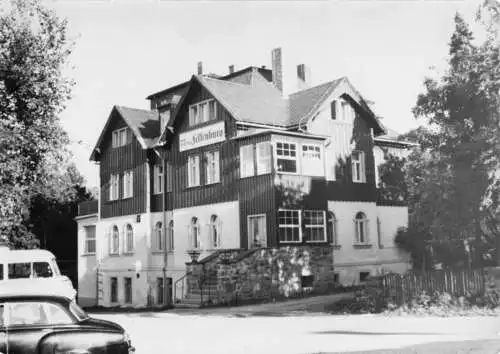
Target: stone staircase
pixel 196 297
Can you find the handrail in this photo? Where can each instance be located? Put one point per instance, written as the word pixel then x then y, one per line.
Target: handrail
pixel 176 284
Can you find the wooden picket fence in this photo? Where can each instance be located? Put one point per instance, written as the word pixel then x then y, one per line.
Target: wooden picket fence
pixel 402 288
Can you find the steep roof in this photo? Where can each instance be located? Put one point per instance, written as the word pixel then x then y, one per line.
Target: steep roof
pixel 145 125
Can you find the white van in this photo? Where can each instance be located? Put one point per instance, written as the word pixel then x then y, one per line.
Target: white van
pixel 33 268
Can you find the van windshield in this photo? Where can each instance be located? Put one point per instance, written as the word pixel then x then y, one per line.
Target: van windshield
pixel 42 270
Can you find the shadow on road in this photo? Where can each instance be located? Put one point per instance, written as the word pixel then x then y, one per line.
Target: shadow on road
pixel 358 333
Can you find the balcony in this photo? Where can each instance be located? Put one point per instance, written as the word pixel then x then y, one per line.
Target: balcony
pixel 89 207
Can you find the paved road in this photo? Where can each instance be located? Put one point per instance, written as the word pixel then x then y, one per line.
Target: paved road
pixel 165 332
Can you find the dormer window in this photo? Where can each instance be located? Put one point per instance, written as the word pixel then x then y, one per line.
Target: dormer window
pixel 119 137
pixel 202 112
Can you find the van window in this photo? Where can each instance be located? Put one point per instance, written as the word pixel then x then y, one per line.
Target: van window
pixel 1 315
pixel 1 271
pixel 42 270
pixel 19 270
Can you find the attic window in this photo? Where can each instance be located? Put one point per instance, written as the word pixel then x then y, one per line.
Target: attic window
pixel 119 137
pixel 202 112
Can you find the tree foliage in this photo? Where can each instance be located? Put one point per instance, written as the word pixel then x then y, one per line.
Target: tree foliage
pixel 34 48
pixel 453 177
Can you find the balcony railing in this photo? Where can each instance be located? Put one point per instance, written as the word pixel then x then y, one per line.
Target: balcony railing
pixel 88 207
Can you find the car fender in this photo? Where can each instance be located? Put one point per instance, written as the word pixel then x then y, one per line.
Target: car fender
pixel 80 342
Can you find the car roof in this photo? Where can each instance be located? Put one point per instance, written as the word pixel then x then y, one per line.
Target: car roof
pixel 21 256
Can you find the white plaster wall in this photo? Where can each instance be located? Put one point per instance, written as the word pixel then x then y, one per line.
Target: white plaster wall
pixel 349 260
pixel 87 286
pixel 229 215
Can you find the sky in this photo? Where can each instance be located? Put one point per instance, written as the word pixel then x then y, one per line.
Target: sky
pixel 126 50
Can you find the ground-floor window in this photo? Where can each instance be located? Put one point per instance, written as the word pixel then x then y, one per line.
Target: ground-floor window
pixel 257 232
pixel 159 291
pixel 332 229
pixel 361 223
pixel 128 290
pixel 289 225
pixel 113 289
pixel 363 276
pixel 314 226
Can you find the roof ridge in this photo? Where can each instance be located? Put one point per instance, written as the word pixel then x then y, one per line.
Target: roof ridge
pixel 315 87
pixel 136 109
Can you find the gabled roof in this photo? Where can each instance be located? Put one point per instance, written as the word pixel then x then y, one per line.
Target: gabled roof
pixel 145 125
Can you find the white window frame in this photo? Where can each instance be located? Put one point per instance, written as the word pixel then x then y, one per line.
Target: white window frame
pixel 192 227
pixel 128 239
pixel 114 183
pixel 171 239
pixel 361 162
pixel 245 170
pixel 114 249
pixel 111 300
pixel 263 161
pixel 290 226
pixel 159 179
pixel 217 227
pixel 250 228
pixel 193 164
pixel 158 232
pixel 128 184
pixel 283 157
pixel 125 290
pixel 202 114
pixel 119 137
pixel 315 226
pixel 89 240
pixel 361 224
pixel 212 166
pixel 318 170
pixel 333 224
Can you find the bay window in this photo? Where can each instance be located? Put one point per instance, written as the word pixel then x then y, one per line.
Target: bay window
pixel 246 161
pixel 286 157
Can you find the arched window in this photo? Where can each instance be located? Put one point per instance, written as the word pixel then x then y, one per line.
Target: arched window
pixel 214 230
pixel 332 229
pixel 171 235
pixel 115 240
pixel 361 224
pixel 195 233
pixel 129 238
pixel 159 236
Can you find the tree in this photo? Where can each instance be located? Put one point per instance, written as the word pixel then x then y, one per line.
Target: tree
pixel 34 48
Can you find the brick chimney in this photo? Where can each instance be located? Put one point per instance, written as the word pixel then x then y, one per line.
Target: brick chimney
pixel 200 68
pixel 277 69
pixel 303 77
pixel 231 69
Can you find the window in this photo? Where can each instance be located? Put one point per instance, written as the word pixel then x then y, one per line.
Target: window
pixel 164 118
pixel 361 224
pixel 212 170
pixel 158 178
pixel 119 138
pixel 314 226
pixel 114 290
pixel 128 184
pixel 159 291
pixel 312 163
pixel 333 110
pixel 215 234
pixel 128 289
pixel 159 236
pixel 19 270
pixel 289 226
pixel 171 235
pixel 363 276
pixel 257 231
pixel 90 242
pixel 42 270
pixel 195 233
pixel 379 233
pixel 193 171
pixel 115 240
pixel 358 166
pixel 2 312
pixel 169 177
pixel 113 186
pixel 263 158
pixel 1 271
pixel 246 161
pixel 348 113
pixel 332 229
pixel 202 112
pixel 56 314
pixel 129 239
pixel 27 314
pixel 286 160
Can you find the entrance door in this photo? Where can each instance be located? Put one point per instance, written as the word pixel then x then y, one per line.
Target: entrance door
pixel 257 231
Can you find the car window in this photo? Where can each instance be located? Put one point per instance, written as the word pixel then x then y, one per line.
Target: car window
pixel 42 270
pixel 1 271
pixel 27 314
pixel 19 270
pixel 2 323
pixel 79 313
pixel 57 314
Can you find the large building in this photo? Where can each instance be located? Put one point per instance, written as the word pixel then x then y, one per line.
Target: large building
pixel 231 163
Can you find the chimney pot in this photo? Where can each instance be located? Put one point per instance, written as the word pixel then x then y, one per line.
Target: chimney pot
pixel 200 68
pixel 277 68
pixel 303 76
pixel 231 69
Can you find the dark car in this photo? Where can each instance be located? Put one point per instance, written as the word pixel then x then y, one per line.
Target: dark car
pixel 51 323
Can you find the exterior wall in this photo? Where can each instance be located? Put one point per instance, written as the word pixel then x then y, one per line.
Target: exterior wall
pixel 229 215
pixel 87 263
pixel 380 254
pixel 118 160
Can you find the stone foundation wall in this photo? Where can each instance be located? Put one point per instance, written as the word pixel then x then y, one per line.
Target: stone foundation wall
pixel 266 273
